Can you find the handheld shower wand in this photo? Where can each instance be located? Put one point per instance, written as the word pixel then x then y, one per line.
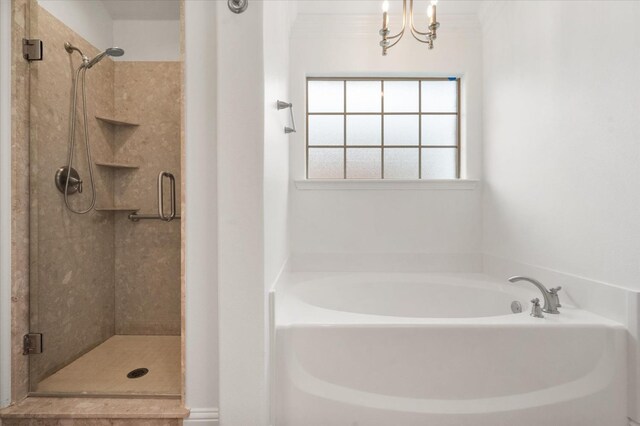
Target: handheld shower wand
pixel 72 182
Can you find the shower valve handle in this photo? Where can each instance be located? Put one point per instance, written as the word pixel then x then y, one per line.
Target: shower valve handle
pixel 76 182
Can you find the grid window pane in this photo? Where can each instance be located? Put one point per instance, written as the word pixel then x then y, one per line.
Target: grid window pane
pixel 326 163
pixel 364 130
pixel 326 96
pixel 439 163
pixel 439 130
pixel 326 130
pixel 376 128
pixel 439 96
pixel 401 96
pixel 364 96
pixel 401 163
pixel 364 163
pixel 401 130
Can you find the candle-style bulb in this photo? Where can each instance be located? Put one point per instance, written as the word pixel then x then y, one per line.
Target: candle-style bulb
pixel 385 6
pixel 434 2
pixel 430 10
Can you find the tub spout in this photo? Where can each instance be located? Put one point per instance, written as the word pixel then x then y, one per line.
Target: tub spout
pixel 551 299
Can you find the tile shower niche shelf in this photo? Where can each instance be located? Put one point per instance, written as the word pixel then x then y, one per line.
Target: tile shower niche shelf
pixel 116 121
pixel 117 165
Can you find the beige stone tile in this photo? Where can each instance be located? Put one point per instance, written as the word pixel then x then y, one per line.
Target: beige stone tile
pixel 20 202
pixel 74 262
pixel 91 422
pixel 104 369
pixel 72 256
pixel 147 253
pixel 95 411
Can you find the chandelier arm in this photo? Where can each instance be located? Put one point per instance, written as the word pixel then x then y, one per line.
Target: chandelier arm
pixel 419 39
pixel 411 25
pixel 404 23
pixel 396 36
pixel 396 42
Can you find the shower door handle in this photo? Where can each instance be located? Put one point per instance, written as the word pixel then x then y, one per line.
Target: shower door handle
pixel 172 182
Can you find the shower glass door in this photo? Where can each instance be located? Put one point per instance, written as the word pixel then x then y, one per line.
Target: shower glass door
pixel 104 290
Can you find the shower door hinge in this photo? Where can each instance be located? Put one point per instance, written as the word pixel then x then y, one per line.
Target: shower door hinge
pixel 32 344
pixel 32 49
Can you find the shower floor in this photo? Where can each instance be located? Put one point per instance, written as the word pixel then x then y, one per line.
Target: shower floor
pixel 104 369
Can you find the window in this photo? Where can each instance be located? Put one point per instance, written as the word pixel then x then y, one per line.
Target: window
pixel 374 128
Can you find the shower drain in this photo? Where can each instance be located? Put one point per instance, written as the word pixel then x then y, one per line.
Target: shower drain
pixel 138 372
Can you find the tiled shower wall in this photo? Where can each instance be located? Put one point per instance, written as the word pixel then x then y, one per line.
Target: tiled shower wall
pixel 100 274
pixel 72 255
pixel 147 253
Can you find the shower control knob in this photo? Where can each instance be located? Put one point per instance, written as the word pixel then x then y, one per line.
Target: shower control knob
pixel 75 183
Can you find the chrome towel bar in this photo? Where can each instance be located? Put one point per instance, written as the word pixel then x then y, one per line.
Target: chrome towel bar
pixel 284 105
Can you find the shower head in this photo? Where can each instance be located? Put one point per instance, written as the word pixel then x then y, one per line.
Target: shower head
pixel 111 51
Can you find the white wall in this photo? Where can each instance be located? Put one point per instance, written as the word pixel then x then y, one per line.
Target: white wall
pixel 389 221
pixel 277 27
pixel 241 143
pixel 200 216
pixel 561 137
pixel 277 19
pixel 142 39
pixel 89 18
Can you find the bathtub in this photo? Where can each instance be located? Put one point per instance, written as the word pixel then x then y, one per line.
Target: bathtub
pixel 360 349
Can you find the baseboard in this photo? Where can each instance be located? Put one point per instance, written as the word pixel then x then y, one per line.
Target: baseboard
pixel 202 417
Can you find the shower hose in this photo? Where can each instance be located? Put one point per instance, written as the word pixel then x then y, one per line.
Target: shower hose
pixel 81 72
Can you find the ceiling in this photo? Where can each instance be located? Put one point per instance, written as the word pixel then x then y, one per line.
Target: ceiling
pixel 142 10
pixel 374 7
pixel 170 9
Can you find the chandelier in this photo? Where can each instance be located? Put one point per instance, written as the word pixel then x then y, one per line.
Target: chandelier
pixel 388 41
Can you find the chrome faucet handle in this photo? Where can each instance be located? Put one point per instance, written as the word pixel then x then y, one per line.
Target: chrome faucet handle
pixel 554 295
pixel 536 310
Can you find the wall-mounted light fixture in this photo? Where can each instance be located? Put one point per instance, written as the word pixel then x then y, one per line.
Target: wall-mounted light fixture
pixel 238 6
pixel 388 41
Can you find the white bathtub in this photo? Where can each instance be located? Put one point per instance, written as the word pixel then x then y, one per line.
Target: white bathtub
pixel 439 349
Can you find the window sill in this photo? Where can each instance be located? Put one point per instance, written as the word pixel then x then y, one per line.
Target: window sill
pixel 383 184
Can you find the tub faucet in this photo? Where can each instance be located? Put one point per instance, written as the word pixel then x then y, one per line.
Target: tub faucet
pixel 551 299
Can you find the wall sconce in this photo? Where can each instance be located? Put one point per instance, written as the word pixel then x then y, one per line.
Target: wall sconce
pixel 388 41
pixel 238 6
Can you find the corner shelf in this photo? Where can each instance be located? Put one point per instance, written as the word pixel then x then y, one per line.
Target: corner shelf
pixel 116 209
pixel 116 165
pixel 116 122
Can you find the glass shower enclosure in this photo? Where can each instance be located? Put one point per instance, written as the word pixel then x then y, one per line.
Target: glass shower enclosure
pixel 105 285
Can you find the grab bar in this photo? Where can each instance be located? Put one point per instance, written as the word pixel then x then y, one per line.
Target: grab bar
pixel 135 217
pixel 172 180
